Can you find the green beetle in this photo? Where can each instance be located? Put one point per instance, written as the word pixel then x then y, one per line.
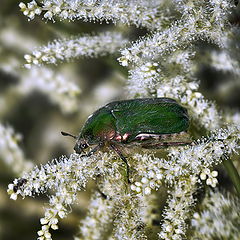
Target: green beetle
pixel 143 122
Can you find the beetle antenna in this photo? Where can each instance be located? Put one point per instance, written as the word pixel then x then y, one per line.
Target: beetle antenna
pixel 68 134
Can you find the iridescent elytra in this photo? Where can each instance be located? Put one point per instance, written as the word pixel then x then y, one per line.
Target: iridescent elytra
pixel 143 122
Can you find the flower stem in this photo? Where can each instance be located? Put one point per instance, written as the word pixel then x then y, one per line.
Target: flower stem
pixel 233 174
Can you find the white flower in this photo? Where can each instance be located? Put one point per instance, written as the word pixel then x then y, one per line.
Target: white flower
pixel 219 217
pixel 140 13
pixel 85 46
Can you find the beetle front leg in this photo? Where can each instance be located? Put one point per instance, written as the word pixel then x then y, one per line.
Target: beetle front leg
pixel 122 157
pixel 94 149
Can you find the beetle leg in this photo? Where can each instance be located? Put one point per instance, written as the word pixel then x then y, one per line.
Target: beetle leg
pixel 95 149
pixel 103 195
pixel 122 157
pixel 164 145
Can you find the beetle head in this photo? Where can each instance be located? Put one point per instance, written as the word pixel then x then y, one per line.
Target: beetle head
pixel 80 145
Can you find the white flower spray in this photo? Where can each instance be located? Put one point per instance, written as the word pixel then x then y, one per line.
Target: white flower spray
pixel 186 167
pixel 10 151
pixel 219 217
pixel 140 13
pixel 86 46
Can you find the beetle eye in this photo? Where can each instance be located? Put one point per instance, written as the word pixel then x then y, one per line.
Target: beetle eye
pixel 84 145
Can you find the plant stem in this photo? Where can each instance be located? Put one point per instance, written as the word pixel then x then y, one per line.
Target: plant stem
pixel 233 174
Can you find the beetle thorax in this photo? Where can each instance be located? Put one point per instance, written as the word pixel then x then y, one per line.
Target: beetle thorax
pixel 121 138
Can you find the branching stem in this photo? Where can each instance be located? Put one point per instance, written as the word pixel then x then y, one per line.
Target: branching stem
pixel 233 174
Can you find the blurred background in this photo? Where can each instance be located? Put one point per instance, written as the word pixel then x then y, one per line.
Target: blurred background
pixel 33 113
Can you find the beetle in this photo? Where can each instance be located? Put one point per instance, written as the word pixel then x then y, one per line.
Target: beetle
pixel 143 122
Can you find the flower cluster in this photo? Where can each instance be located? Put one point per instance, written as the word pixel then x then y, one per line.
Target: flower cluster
pixel 146 185
pixel 190 161
pixel 99 217
pixel 182 171
pixel 145 75
pixel 61 91
pixel 129 223
pixel 197 21
pixel 210 177
pixel 57 209
pixel 66 177
pixel 174 49
pixel 139 13
pixel 218 217
pixel 10 151
pixel 178 210
pixel 85 46
pixel 31 9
